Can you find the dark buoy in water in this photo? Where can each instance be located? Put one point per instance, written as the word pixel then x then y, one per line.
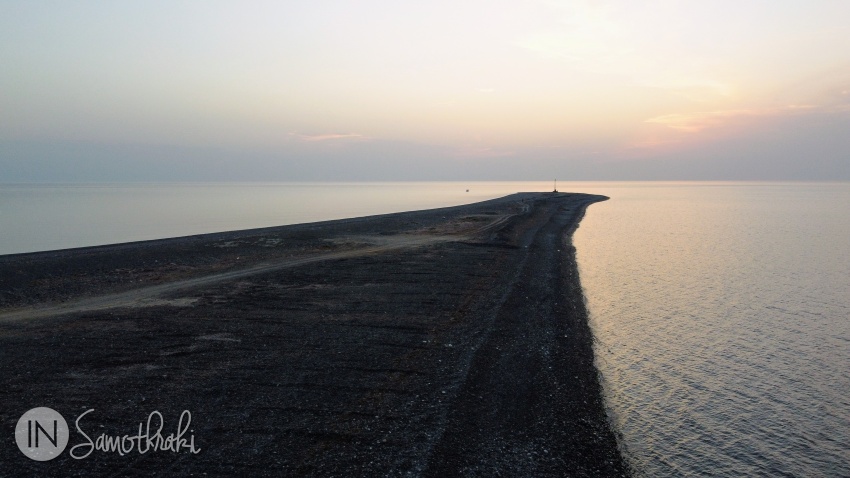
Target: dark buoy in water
pixel 555 189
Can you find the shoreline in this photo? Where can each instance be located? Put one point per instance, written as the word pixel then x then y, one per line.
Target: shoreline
pixel 451 341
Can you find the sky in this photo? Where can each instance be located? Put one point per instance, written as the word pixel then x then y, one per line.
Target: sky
pixel 439 90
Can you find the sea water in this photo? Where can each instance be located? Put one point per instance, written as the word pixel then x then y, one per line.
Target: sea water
pixel 721 310
pixel 722 318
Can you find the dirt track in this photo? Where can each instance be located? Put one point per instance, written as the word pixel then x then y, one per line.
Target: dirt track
pixel 451 342
pixel 152 295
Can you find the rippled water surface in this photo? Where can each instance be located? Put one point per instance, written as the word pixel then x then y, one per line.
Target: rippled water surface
pixel 722 313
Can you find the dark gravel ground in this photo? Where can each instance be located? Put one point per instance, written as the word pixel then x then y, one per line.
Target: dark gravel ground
pixel 467 357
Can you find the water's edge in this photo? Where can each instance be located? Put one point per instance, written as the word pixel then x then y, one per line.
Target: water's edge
pixel 587 314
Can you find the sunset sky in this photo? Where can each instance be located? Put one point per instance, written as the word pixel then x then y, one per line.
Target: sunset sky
pixel 436 90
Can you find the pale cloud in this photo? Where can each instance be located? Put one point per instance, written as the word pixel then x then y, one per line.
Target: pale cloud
pixel 839 94
pixel 585 31
pixel 482 152
pixel 697 90
pixel 696 122
pixel 604 37
pixel 829 94
pixel 329 137
pixel 337 80
pixel 673 132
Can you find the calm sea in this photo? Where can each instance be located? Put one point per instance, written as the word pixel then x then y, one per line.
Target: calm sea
pixel 722 310
pixel 722 313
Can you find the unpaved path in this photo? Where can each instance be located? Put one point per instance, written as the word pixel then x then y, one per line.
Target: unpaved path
pixel 153 295
pixel 522 408
pixel 148 295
